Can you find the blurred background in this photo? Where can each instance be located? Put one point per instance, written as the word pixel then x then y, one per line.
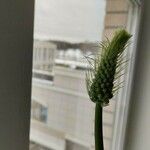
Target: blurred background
pixel 62 116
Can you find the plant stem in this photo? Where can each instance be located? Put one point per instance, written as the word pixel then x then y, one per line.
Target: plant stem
pixel 99 127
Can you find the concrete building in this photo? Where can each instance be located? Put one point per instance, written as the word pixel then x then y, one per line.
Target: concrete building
pixel 62 113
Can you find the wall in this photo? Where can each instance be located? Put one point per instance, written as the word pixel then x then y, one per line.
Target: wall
pixel 116 16
pixel 16 26
pixel 138 131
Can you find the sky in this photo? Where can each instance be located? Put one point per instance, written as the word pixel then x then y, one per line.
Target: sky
pixel 69 20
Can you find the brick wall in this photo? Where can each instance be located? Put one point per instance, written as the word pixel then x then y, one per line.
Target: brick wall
pixel 116 16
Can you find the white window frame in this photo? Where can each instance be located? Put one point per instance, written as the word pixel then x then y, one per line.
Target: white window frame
pixel 123 102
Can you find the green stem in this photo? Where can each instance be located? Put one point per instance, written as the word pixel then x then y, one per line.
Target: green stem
pixel 99 127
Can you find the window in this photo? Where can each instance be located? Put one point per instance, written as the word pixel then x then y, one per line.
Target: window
pixel 39 112
pixel 65 32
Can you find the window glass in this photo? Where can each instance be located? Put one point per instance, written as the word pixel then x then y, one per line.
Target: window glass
pixel 62 116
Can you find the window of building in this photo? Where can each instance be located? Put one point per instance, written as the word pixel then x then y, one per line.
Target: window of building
pixel 39 112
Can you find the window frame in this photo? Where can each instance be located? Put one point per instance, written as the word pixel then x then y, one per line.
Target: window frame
pixel 16 42
pixel 123 103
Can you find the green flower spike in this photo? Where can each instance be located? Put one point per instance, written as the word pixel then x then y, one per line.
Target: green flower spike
pixel 100 80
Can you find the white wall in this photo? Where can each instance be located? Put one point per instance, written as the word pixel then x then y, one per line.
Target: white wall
pixel 138 133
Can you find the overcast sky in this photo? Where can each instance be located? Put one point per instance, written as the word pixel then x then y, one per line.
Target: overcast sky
pixel 69 20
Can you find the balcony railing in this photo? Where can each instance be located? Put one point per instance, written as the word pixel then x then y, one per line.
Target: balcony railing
pixel 43 59
pixel 43 56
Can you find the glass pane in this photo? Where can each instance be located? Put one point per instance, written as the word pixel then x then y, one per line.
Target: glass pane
pixel 62 116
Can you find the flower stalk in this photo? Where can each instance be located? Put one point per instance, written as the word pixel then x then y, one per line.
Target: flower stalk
pixel 101 79
pixel 99 145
